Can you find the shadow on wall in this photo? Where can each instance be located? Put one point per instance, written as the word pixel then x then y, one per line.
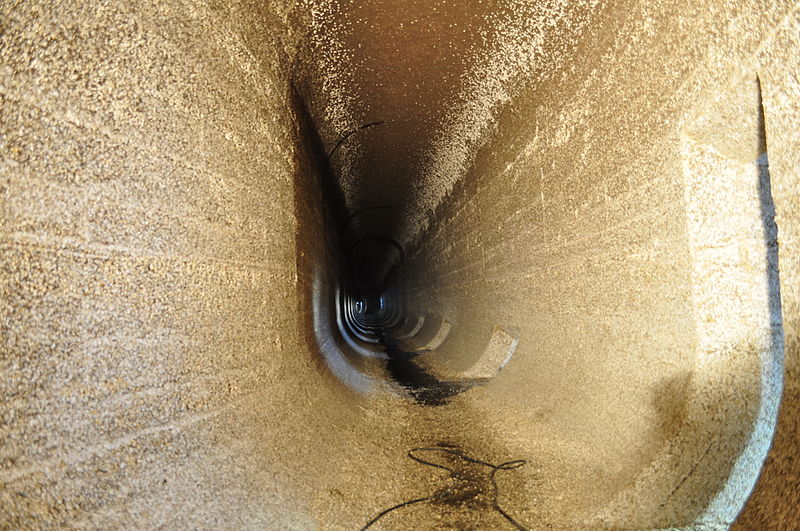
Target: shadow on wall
pixel 770 228
pixel 775 503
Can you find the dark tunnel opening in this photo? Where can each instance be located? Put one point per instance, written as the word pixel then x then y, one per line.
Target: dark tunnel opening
pixel 368 291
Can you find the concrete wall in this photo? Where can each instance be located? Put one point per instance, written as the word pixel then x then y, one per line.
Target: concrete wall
pixel 168 267
pixel 148 164
pixel 614 217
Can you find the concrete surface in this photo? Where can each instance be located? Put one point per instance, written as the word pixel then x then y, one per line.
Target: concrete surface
pixel 616 184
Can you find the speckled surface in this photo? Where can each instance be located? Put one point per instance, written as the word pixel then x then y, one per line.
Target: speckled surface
pixel 589 176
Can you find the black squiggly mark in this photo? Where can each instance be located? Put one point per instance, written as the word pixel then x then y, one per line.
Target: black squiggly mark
pixel 471 484
pixel 351 133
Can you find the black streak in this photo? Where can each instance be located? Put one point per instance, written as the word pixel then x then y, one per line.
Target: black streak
pixel 424 387
pixel 351 133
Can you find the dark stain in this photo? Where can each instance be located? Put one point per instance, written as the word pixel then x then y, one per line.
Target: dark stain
pixel 471 484
pixel 423 386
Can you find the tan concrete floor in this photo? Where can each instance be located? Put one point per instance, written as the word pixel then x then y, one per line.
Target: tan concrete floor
pixel 595 179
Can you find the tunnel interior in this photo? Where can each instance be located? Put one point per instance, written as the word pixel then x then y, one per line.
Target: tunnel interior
pixel 427 264
pixel 463 193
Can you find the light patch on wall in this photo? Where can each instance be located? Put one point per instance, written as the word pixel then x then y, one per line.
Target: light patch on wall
pixel 533 41
pixel 727 248
pixel 497 354
pixel 733 244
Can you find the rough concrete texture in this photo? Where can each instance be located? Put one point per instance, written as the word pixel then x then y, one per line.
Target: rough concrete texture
pixel 597 179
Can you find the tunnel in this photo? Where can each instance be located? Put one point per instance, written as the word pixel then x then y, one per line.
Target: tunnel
pixel 418 264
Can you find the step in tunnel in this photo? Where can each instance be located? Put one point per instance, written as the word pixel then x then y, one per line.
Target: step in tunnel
pixel 368 264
